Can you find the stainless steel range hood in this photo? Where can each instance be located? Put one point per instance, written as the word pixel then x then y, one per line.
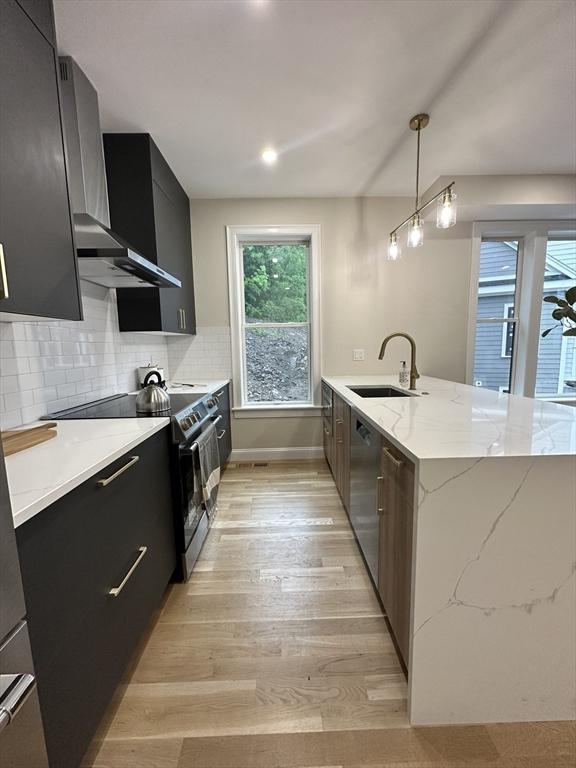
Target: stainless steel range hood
pixel 103 257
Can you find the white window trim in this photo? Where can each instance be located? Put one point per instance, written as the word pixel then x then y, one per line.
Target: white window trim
pixel 235 236
pixel 505 330
pixel 532 237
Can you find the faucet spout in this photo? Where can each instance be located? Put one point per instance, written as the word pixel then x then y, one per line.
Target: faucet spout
pixel 413 370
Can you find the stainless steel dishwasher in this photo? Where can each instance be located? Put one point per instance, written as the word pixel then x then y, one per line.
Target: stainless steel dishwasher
pixel 364 470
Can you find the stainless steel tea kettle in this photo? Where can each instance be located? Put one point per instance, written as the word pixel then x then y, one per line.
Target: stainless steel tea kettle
pixel 153 398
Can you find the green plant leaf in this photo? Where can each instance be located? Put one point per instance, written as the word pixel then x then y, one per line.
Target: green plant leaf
pixel 559 313
pixel 548 330
pixel 571 295
pixel 569 332
pixel 551 299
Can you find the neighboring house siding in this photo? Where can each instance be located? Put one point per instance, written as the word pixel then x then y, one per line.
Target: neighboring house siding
pixel 497 259
pixel 490 367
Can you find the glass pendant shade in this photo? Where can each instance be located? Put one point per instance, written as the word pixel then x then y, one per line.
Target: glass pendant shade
pixel 415 232
pixel 446 210
pixel 394 252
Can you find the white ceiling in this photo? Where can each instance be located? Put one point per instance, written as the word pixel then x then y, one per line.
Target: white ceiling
pixel 332 84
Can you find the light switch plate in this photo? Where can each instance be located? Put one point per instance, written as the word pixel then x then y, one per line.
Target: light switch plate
pixel 357 354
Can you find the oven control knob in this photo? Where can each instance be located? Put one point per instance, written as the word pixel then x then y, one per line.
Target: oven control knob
pixel 186 423
pixel 196 416
pixel 211 403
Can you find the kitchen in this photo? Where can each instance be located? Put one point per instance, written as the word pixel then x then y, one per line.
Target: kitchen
pixel 289 450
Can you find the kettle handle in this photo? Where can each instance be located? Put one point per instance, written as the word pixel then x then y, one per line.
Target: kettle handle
pixel 149 376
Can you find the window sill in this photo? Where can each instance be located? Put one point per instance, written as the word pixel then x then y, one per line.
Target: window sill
pixel 276 411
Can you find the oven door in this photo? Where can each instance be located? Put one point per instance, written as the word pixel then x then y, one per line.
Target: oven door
pixel 192 509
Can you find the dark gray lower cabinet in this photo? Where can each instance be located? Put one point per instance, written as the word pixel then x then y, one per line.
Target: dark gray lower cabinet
pixel 223 427
pixel 72 555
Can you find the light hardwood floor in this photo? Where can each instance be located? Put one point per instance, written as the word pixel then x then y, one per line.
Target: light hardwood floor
pixel 275 654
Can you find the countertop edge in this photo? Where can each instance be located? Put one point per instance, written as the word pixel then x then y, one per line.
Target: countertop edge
pixel 53 494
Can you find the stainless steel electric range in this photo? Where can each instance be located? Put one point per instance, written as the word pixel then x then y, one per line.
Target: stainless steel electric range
pixel 190 415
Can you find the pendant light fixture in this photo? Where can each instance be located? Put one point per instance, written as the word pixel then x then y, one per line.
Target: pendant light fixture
pixel 446 209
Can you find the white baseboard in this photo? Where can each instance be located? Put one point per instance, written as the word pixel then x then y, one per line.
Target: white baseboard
pixel 276 454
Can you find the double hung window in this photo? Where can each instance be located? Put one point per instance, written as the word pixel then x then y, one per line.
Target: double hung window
pixel 274 315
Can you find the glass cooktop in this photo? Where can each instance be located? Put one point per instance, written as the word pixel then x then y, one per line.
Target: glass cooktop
pixel 121 407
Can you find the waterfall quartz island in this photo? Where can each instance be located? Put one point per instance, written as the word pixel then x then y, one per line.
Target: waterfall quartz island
pixel 493 608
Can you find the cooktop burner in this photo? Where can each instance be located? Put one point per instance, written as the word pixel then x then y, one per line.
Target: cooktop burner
pixel 121 407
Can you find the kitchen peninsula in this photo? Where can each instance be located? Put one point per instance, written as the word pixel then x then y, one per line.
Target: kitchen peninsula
pixel 490 586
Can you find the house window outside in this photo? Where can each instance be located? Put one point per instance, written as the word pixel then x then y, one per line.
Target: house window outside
pixel 495 317
pixel 274 313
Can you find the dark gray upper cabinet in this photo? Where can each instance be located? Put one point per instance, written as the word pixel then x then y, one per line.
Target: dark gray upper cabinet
pixel 36 229
pixel 41 13
pixel 151 211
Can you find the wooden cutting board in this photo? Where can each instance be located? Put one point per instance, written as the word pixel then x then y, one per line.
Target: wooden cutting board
pixel 14 441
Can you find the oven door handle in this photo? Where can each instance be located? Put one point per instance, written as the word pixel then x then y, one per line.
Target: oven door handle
pixel 194 446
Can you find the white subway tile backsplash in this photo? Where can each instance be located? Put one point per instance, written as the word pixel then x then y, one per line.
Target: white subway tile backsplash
pixel 204 356
pixel 48 366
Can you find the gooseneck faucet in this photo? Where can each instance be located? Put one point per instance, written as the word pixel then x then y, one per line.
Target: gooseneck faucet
pixel 413 370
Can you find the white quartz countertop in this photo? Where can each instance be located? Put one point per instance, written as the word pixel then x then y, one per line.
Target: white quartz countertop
pixel 459 421
pixel 196 387
pixel 39 476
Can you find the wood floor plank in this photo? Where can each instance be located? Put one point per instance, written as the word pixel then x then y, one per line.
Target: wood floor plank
pixel 276 655
pixel 134 753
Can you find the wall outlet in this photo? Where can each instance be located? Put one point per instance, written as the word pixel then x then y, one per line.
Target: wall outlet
pixel 357 354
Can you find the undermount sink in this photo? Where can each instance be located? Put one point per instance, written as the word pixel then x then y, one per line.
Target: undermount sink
pixel 380 392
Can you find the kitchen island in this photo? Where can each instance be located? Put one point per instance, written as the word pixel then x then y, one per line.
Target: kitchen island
pixel 492 607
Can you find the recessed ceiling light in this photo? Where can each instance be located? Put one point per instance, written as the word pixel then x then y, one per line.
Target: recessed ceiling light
pixel 269 156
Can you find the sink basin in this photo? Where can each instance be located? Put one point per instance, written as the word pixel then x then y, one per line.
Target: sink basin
pixel 380 392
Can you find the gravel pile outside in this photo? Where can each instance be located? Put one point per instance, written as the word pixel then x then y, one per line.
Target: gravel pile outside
pixel 277 364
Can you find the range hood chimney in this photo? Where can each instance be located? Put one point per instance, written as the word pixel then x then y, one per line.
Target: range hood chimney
pixel 103 257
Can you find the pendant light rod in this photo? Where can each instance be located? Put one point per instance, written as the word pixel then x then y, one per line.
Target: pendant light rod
pixel 424 205
pixel 417 123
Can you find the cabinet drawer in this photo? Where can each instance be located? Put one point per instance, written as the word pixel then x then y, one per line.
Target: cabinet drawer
pixel 73 551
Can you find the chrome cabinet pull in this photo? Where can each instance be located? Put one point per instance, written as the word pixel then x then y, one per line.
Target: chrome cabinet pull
pixel 115 591
pixel 381 509
pixel 18 690
pixel 184 325
pixel 397 463
pixel 221 435
pixel 4 292
pixel 108 480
